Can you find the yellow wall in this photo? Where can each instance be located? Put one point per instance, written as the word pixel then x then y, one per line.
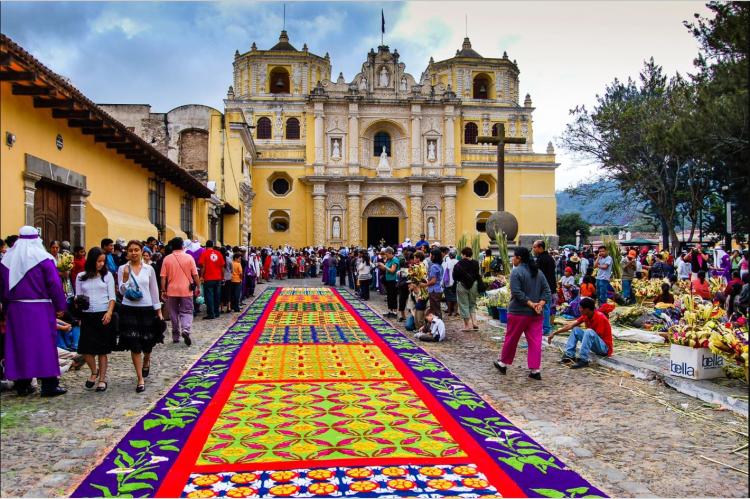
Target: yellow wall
pixel 118 204
pixel 298 202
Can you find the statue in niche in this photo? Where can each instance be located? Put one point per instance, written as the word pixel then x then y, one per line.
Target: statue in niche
pixel 336 228
pixel 403 84
pixel 363 83
pixel 336 149
pixel 430 228
pixel 431 150
pixel 383 77
pixel 384 168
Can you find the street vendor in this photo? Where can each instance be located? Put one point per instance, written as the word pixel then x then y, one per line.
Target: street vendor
pixel 597 337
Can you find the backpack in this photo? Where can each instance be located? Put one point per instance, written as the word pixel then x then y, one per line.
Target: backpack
pixel 496 265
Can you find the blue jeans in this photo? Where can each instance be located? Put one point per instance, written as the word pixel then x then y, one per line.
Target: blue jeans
pixel 547 324
pixel 590 342
pixel 627 290
pixel 69 341
pixel 212 290
pixel 601 290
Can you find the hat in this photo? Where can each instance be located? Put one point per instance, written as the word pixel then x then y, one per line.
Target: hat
pixel 575 258
pixel 568 269
pixel 632 253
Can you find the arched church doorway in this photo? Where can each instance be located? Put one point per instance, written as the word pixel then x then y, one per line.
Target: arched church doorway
pixel 385 222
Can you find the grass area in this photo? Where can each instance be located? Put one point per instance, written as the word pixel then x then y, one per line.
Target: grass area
pixel 13 416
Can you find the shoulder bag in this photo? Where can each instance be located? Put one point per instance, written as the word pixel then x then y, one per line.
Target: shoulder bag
pixel 133 294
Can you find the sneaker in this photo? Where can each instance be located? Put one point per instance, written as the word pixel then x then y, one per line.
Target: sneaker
pixel 536 376
pixel 580 364
pixel 566 359
pixel 502 369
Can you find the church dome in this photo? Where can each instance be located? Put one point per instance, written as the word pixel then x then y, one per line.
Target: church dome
pixel 467 51
pixel 284 44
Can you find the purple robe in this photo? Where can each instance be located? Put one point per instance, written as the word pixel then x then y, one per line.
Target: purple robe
pixel 196 254
pixel 31 328
pixel 726 266
pixel 324 270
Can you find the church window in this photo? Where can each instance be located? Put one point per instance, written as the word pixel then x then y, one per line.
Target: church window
pixel 470 133
pixel 279 81
pixel 481 188
pixel 264 128
pixel 382 139
pixel 292 128
pixel 482 221
pixel 280 183
pixel 279 220
pixel 481 87
pixel 496 130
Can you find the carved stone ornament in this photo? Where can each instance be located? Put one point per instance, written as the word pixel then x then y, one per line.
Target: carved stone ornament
pixel 384 78
pixel 383 208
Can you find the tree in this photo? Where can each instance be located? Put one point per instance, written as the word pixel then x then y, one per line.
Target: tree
pixel 568 224
pixel 632 134
pixel 720 121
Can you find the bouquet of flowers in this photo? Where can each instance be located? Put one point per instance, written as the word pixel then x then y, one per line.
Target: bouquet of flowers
pixel 494 282
pixel 716 284
pixel 730 342
pixel 65 262
pixel 616 285
pixel 647 289
pixel 501 299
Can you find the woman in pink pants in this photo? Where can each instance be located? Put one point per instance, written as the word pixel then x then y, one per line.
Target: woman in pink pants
pixel 529 292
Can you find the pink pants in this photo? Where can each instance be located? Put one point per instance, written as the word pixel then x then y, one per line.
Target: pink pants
pixel 531 325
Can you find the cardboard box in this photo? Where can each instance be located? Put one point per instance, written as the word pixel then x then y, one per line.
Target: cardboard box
pixel 695 363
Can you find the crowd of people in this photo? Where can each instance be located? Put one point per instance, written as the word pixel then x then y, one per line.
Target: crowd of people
pixel 70 307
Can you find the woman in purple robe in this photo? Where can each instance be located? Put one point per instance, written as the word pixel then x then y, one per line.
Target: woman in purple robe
pixel 32 296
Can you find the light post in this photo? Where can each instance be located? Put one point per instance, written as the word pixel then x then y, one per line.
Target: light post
pixel 728 235
pixel 578 239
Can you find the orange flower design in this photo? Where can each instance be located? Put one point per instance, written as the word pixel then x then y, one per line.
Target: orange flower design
pixel 394 471
pixel 322 489
pixel 244 478
pixel 202 493
pixel 475 483
pixel 206 480
pixel 242 492
pixel 286 489
pixel 363 486
pixel 401 484
pixel 284 476
pixel 359 473
pixel 431 471
pixel 464 470
pixel 440 484
pixel 320 474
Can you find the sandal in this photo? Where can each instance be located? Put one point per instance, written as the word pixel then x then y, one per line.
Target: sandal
pixel 90 384
pixel 140 388
pixel 101 388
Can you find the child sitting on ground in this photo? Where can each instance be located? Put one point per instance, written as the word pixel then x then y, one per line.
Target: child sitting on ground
pixel 666 296
pixel 588 290
pixel 433 329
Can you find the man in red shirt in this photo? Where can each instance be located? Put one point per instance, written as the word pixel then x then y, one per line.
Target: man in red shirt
pixel 212 273
pixel 597 337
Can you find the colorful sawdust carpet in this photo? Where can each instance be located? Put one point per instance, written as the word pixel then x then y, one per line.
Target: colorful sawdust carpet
pixel 310 394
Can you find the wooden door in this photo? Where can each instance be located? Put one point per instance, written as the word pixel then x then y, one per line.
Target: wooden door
pixel 52 212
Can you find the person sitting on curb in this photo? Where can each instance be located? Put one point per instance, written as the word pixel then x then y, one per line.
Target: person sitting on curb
pixel 597 336
pixel 433 329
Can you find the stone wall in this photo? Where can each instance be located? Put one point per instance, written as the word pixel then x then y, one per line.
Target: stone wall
pixel 193 152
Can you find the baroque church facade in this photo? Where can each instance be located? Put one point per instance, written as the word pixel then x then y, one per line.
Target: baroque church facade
pixel 386 155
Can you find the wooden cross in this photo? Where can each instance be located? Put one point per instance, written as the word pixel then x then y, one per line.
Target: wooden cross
pixel 501 140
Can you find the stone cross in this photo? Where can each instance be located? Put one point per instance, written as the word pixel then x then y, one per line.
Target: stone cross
pixel 501 140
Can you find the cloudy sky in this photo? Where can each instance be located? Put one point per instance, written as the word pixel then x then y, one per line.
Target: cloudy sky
pixel 171 53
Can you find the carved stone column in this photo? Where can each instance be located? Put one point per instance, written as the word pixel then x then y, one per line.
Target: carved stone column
pixel 319 134
pixel 416 218
pixel 353 139
pixel 319 213
pixel 416 136
pixel 78 217
pixel 29 189
pixel 449 138
pixel 449 215
pixel 355 215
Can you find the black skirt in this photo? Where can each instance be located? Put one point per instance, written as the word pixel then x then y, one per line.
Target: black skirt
pixel 140 329
pixel 96 338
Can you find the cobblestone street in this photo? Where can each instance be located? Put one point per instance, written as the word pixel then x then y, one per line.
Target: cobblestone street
pixel 628 437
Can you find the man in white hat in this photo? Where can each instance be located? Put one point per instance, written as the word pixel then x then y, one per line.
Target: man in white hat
pixel 32 295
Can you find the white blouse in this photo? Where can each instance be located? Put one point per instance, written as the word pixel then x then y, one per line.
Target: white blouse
pixel 146 282
pixel 100 292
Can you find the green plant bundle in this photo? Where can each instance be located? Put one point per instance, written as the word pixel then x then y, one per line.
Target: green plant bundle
pixel 502 245
pixel 613 248
pixel 462 242
pixel 475 247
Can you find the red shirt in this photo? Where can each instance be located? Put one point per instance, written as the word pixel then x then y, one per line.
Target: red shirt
pixel 600 324
pixel 701 289
pixel 213 265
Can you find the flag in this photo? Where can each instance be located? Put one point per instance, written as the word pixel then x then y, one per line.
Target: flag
pixel 382 21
